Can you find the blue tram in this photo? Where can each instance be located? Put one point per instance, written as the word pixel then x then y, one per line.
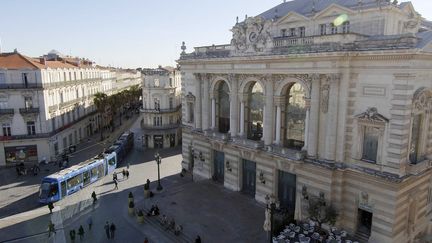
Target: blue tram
pixel 65 182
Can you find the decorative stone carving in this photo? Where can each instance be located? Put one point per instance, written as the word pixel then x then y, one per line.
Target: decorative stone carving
pixel 372 116
pixel 252 36
pixel 422 100
pixel 190 97
pixel 325 91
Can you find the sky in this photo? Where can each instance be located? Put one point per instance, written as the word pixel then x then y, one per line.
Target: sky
pixel 127 33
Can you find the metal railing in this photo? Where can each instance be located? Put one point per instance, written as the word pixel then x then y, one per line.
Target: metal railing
pixel 163 127
pixel 7 111
pixel 177 108
pixel 21 86
pixel 29 110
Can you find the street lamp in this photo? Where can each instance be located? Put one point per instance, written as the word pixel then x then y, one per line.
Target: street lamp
pixel 270 210
pixel 158 161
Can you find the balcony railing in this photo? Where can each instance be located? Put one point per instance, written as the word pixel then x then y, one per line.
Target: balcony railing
pixel 70 83
pixel 29 110
pixel 256 144
pixel 21 86
pixel 287 152
pixel 163 127
pixel 6 111
pixel 161 110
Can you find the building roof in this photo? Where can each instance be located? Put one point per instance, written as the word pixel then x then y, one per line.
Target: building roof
pixel 307 7
pixel 425 39
pixel 15 60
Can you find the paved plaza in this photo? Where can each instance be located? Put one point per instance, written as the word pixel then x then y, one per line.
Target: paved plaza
pixel 203 208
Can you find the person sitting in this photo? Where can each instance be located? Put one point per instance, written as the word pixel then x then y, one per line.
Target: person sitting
pixel 172 224
pixel 177 229
pixel 164 220
pixel 151 212
pixel 156 210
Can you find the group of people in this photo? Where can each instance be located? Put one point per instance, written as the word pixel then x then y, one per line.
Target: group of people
pixel 154 211
pixel 125 174
pixel 171 225
pixel 109 230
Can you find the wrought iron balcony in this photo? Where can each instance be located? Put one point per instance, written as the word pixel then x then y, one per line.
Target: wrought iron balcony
pixel 21 86
pixel 29 110
pixel 6 111
pixel 163 127
pixel 158 111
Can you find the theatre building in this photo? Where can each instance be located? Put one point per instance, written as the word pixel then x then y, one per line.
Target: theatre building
pixel 319 98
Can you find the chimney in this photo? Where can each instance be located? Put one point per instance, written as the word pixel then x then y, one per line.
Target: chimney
pixel 42 60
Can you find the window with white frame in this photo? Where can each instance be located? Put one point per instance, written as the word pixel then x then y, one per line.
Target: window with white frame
pixel 371 128
pixel 323 29
pixel 302 31
pixel 346 27
pixel 420 122
pixel 6 129
pixel 292 31
pixel 2 78
pixel 283 32
pixel 28 102
pixel 333 29
pixel 157 104
pixel 171 102
pixel 31 128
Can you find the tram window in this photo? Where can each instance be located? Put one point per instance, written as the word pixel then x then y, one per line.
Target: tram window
pixel 86 178
pixel 63 188
pixel 101 171
pixel 111 161
pixel 53 189
pixel 94 172
pixel 74 181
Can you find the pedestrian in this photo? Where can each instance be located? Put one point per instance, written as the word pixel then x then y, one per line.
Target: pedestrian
pixel 128 164
pixel 51 228
pixel 124 173
pixel 50 207
pixel 127 174
pixel 90 222
pixel 146 240
pixel 115 176
pixel 93 195
pixel 116 186
pixel 72 234
pixel 81 232
pixel 198 239
pixel 112 229
pixel 107 229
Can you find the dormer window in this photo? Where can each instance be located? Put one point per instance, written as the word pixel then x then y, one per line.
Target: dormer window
pixel 333 29
pixel 302 31
pixel 346 27
pixel 323 29
pixel 292 32
pixel 283 32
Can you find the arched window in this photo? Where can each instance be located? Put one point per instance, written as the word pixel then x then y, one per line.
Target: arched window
pixel 295 117
pixel 254 110
pixel 223 107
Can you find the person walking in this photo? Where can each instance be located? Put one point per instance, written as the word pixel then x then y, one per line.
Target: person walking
pixel 90 222
pixel 107 229
pixel 115 184
pixel 127 174
pixel 51 228
pixel 112 229
pixel 198 239
pixel 72 234
pixel 50 207
pixel 93 195
pixel 81 232
pixel 128 164
pixel 124 173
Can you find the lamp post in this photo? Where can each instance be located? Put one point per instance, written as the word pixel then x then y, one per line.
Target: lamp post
pixel 270 209
pixel 158 161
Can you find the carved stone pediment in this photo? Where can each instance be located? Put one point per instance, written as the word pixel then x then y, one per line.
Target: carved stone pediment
pixel 252 36
pixel 372 116
pixel 190 97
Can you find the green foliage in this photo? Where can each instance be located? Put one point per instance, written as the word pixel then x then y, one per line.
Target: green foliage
pixel 320 212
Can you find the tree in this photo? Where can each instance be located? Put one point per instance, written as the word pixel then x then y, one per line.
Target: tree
pixel 114 104
pixel 101 102
pixel 320 212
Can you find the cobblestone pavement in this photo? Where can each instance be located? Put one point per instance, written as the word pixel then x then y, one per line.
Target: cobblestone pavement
pixel 202 208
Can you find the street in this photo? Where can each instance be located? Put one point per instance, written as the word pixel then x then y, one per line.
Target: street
pixel 202 208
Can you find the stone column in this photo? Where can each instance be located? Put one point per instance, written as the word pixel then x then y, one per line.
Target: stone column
pixel 332 117
pixel 313 128
pixel 233 108
pixel 213 111
pixel 198 100
pixel 279 102
pixel 306 133
pixel 205 104
pixel 268 112
pixel 243 99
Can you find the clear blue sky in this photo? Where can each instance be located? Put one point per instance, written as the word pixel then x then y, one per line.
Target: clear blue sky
pixel 127 33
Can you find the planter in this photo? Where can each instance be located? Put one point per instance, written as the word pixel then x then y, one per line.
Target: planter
pixel 146 193
pixel 130 199
pixel 131 211
pixel 140 219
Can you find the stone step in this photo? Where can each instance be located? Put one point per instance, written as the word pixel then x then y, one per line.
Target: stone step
pixel 361 237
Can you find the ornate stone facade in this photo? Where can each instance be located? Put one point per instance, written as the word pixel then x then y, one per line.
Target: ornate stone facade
pixel 361 135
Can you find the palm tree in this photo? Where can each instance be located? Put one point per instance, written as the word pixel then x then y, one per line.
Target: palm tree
pixel 101 102
pixel 113 104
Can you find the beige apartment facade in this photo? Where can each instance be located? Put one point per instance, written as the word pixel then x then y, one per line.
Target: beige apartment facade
pixel 321 99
